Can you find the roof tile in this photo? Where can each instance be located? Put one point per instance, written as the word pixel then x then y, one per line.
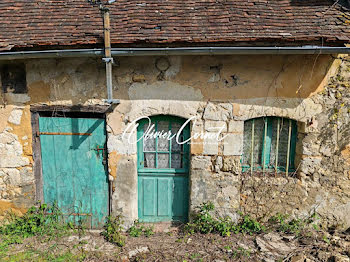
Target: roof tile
pixel 25 24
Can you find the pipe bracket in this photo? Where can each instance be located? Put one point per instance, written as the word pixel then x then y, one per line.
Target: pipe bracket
pixel 108 60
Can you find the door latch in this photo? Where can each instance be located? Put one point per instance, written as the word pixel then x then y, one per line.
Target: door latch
pixel 98 149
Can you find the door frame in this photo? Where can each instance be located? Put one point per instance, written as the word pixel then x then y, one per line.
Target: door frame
pixel 186 170
pixel 37 111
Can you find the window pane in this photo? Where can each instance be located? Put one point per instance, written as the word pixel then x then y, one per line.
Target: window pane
pixel 176 161
pixel 274 123
pixel 150 160
pixel 163 160
pixel 175 147
pixel 271 133
pixel 258 140
pixel 149 144
pixel 259 125
pixel 247 142
pixel 283 145
pixel 163 143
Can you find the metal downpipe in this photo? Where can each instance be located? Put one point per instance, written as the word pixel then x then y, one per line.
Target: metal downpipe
pixel 108 56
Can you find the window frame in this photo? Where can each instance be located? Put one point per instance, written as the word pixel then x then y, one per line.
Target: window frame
pixel 140 148
pixel 268 134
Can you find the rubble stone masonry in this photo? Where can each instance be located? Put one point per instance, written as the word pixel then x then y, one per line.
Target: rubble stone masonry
pixel 219 91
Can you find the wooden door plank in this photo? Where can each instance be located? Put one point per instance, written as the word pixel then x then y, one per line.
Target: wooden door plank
pixel 164 187
pixel 49 169
pixel 73 174
pixel 98 173
pixel 81 178
pixel 178 197
pixel 149 197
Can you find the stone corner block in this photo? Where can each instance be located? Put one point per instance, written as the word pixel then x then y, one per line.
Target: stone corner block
pixel 197 146
pixel 236 126
pixel 215 126
pixel 218 112
pixel 201 162
pixel 233 145
pixel 211 145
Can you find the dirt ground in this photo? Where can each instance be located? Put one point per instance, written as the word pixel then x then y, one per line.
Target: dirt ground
pixel 175 246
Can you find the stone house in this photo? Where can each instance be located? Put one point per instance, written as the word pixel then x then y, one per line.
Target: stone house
pixel 257 93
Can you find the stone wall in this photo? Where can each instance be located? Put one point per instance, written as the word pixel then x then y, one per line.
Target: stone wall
pixel 321 183
pixel 218 91
pixel 16 176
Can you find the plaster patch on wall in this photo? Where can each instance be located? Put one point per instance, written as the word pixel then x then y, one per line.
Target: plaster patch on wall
pixel 125 197
pixel 17 99
pixel 122 145
pixel 141 108
pixel 113 159
pixel 175 67
pixel 11 151
pixel 164 90
pixel 6 206
pixel 66 79
pixel 15 117
pixel 36 72
pixel 5 113
pixel 115 123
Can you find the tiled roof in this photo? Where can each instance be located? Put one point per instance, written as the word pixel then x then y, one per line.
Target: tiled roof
pixel 42 23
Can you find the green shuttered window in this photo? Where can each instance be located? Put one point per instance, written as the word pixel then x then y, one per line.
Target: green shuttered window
pixel 268 143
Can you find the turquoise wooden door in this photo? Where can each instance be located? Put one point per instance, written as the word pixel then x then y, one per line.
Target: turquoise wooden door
pixel 74 174
pixel 162 170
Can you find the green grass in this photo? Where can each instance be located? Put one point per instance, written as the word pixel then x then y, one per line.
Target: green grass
pixel 203 222
pixel 43 224
pixel 34 255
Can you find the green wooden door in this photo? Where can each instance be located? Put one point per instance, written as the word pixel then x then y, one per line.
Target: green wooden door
pixel 74 174
pixel 162 170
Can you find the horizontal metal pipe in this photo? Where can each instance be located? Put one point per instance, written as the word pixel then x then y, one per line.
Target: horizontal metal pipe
pixel 228 50
pixel 165 51
pixel 52 54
